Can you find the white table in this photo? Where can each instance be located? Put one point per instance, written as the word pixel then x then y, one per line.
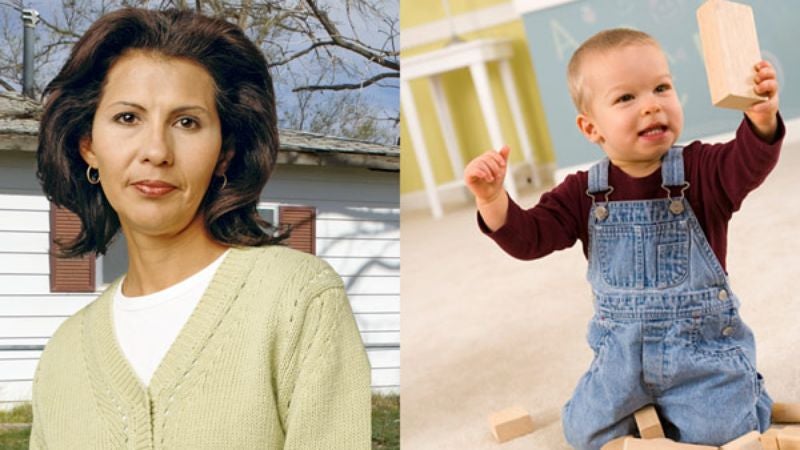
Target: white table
pixel 475 56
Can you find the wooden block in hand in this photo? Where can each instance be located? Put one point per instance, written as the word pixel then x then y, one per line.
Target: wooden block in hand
pixel 786 412
pixel 648 423
pixel 662 444
pixel 749 441
pixel 730 52
pixel 510 423
pixel 789 438
pixel 615 444
pixel 769 439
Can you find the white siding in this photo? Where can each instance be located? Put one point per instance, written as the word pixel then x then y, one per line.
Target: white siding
pixel 358 233
pixel 29 314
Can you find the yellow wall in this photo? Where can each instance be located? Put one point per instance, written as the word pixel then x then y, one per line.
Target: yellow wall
pixel 419 12
pixel 468 121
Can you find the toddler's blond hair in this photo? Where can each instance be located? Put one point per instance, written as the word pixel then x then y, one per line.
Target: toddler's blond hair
pixel 600 42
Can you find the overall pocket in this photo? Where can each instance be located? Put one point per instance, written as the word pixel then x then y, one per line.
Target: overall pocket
pixel 726 343
pixel 723 364
pixel 642 256
pixel 615 255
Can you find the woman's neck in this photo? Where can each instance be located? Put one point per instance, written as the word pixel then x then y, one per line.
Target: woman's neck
pixel 158 262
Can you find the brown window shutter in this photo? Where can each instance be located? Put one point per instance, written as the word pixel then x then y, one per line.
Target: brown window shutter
pixel 68 274
pixel 301 224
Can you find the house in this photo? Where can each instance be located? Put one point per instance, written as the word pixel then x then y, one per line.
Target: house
pixel 349 188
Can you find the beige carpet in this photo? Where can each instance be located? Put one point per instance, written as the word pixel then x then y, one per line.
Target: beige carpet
pixel 482 331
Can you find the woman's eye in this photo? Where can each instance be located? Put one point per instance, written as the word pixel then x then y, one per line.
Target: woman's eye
pixel 624 98
pixel 126 118
pixel 187 122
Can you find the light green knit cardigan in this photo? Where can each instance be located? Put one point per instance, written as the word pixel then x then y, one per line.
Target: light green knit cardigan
pixel 270 359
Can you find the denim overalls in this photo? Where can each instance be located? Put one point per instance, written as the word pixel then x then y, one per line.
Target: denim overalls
pixel 666 328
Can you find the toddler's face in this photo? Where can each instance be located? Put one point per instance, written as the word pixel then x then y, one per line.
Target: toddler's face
pixel 633 112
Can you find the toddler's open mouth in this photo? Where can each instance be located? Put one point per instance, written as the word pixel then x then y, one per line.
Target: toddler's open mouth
pixel 654 130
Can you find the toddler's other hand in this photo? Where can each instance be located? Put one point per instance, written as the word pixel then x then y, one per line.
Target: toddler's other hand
pixel 484 175
pixel 764 115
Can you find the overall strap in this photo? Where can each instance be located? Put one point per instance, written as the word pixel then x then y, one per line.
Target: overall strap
pixel 598 177
pixel 672 168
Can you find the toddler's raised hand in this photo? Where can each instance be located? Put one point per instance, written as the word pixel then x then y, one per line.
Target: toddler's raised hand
pixel 484 175
pixel 764 115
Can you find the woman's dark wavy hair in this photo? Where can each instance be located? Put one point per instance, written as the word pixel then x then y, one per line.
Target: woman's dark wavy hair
pixel 245 104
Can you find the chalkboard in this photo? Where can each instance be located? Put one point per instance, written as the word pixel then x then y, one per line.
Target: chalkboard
pixel 554 33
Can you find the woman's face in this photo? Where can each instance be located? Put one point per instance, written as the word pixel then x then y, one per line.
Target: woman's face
pixel 155 141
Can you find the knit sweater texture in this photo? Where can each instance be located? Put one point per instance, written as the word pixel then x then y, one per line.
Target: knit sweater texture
pixel 271 358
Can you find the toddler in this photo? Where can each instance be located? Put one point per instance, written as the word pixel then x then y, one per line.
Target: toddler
pixel 652 218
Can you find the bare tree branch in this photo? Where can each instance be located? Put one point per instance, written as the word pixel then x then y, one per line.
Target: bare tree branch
pixel 59 30
pixel 341 87
pixel 334 34
pixel 301 53
pixel 319 51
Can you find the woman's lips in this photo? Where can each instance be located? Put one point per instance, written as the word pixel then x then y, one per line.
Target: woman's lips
pixel 153 188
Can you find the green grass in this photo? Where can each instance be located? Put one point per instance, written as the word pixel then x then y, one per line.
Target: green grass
pixel 20 414
pixel 15 439
pixel 385 422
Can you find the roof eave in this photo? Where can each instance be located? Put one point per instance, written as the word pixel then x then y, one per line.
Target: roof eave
pixel 24 142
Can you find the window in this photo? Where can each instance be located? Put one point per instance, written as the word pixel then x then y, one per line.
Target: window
pixel 271 213
pixel 68 274
pixel 300 224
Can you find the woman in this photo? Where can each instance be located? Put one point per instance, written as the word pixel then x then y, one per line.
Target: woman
pixel 162 125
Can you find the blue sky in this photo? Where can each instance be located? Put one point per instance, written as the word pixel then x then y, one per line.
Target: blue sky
pixel 383 98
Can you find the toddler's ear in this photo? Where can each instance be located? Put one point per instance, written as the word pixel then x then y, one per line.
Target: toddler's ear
pixel 587 127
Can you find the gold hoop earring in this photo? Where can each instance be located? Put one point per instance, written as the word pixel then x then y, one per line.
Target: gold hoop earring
pixel 92 179
pixel 224 181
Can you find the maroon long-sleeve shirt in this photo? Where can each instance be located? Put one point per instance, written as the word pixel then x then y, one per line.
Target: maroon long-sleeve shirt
pixel 721 176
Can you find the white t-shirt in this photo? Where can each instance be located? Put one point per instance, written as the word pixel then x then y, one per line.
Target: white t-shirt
pixel 146 326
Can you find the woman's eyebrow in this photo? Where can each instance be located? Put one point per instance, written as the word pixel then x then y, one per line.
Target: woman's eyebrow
pixel 179 109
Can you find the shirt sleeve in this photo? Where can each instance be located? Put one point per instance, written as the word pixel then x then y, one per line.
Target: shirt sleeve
pixel 326 387
pixel 553 224
pixel 728 172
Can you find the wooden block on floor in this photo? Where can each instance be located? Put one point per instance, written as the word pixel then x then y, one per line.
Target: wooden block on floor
pixel 769 439
pixel 648 423
pixel 510 423
pixel 662 444
pixel 730 52
pixel 615 444
pixel 789 438
pixel 786 412
pixel 749 441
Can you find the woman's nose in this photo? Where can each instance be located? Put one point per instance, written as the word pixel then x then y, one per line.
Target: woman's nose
pixel 157 148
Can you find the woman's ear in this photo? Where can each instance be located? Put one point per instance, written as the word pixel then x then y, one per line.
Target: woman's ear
pixel 588 128
pixel 224 160
pixel 85 148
